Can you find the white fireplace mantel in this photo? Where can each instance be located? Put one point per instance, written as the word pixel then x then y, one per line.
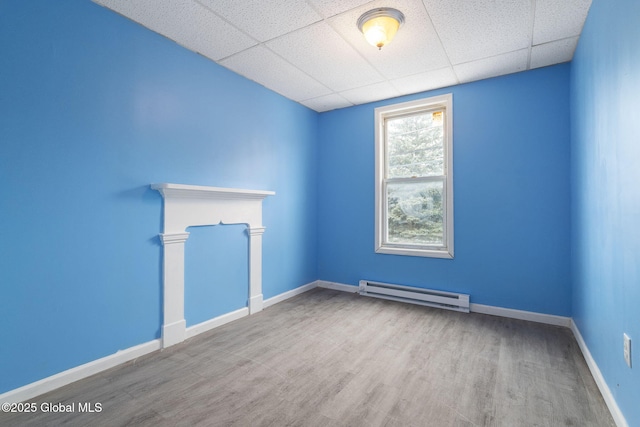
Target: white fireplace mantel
pixel 195 205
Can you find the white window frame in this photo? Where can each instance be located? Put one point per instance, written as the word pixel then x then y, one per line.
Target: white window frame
pixel 381 114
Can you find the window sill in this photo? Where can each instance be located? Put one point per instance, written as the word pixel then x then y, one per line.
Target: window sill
pixel 428 253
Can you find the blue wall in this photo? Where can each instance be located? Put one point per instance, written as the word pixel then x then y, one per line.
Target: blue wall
pixel 511 192
pixel 94 108
pixel 216 259
pixel 605 106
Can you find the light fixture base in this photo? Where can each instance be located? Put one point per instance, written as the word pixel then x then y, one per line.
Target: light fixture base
pixel 381 12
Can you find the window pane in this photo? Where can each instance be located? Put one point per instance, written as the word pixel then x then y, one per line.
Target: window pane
pixel 415 145
pixel 415 213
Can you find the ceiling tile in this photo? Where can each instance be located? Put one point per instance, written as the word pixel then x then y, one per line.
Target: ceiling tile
pixel 324 55
pixel 311 51
pixel 471 30
pixel 426 81
pixel 416 47
pixel 265 67
pixel 375 92
pixel 187 23
pixel 327 103
pixel 330 8
pixel 553 52
pixel 559 19
pixel 499 65
pixel 264 20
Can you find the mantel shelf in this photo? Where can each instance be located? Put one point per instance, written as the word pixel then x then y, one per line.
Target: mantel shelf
pixel 204 192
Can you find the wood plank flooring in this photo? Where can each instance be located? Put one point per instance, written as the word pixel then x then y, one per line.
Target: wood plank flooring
pixel 328 358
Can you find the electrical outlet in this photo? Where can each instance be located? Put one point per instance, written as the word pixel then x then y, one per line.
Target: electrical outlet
pixel 627 349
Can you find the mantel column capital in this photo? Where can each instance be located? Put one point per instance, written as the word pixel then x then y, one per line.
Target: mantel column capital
pixel 256 231
pixel 171 238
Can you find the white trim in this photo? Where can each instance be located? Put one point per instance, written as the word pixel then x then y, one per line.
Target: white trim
pixel 338 286
pixel 205 192
pixel 168 239
pixel 173 333
pixel 255 267
pixel 255 304
pixel 531 316
pixel 616 414
pixel 430 253
pixel 69 376
pixel 207 325
pixel 196 205
pixel 444 102
pixel 289 294
pixel 549 319
pixel 77 373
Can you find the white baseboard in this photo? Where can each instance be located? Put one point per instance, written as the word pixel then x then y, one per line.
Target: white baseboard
pixel 549 319
pixel 173 333
pixel 616 414
pixel 337 286
pixel 256 304
pixel 240 313
pixel 290 294
pixel 531 316
pixel 207 325
pixel 69 376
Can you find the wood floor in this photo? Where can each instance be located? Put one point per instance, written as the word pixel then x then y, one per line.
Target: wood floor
pixel 328 358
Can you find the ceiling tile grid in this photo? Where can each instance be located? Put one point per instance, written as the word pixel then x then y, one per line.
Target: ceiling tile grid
pixel 329 8
pixel 264 20
pixel 472 30
pixel 554 52
pixel 507 63
pixel 429 80
pixel 312 52
pixel 187 23
pixel 327 102
pixel 320 52
pixel 268 69
pixel 374 92
pixel 555 20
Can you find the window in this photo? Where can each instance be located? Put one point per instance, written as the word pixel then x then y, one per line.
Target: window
pixel 414 178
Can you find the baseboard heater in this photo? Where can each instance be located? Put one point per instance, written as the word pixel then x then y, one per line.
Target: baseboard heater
pixel 428 297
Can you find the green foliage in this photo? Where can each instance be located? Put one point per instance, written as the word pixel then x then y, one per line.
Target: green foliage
pixel 415 149
pixel 415 215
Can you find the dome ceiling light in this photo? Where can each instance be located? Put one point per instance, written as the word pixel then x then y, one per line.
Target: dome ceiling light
pixel 380 25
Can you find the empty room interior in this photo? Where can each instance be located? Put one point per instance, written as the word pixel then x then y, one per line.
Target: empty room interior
pixel 258 213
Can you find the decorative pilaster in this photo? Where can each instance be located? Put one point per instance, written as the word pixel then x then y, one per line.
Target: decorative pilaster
pixel 174 325
pixel 255 269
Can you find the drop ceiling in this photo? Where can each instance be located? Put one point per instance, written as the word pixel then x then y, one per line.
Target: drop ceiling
pixel 312 52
